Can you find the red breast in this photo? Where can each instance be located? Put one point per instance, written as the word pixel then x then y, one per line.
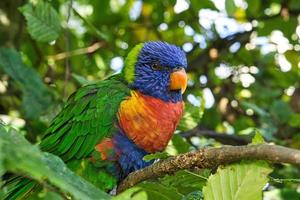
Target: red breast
pixel 148 121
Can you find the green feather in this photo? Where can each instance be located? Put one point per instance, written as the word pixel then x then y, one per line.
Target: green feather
pixel 88 116
pixel 90 112
pixel 74 149
pixel 130 61
pixel 19 187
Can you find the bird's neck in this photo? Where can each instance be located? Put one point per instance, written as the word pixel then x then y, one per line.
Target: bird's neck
pixel 149 122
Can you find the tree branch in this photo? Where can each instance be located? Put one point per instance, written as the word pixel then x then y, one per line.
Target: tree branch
pixel 67 46
pixel 86 50
pixel 224 138
pixel 211 158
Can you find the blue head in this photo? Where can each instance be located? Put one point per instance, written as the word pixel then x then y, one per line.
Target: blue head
pixel 157 69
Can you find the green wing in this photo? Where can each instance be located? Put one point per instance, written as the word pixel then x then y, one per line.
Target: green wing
pixel 88 116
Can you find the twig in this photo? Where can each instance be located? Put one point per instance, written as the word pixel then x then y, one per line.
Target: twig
pixel 211 158
pixel 92 28
pixel 67 44
pixel 90 49
pixel 223 138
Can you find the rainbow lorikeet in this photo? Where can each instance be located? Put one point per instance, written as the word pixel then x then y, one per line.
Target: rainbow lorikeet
pixel 109 126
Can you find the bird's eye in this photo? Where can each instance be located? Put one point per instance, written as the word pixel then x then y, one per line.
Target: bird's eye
pixel 156 66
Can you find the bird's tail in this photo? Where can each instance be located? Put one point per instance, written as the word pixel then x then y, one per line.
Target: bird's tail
pixel 17 188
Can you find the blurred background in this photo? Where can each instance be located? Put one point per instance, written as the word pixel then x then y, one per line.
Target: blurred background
pixel 243 55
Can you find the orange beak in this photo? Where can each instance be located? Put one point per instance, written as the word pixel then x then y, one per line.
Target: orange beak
pixel 178 80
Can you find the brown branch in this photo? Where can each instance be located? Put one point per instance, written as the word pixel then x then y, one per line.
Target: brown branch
pixel 211 158
pixel 67 46
pixel 224 138
pixel 86 50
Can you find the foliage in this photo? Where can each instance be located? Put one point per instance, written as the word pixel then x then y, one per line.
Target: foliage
pixel 19 156
pixel 238 181
pixel 243 80
pixel 244 180
pixel 36 96
pixel 42 21
pixel 181 185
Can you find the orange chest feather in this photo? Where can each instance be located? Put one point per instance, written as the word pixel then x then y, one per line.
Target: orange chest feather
pixel 148 121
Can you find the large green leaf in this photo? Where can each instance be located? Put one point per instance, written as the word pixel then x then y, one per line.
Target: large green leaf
pixel 36 96
pixel 180 185
pixel 150 191
pixel 43 22
pixel 238 181
pixel 20 157
pixel 185 181
pixel 230 7
pixel 180 144
pixel 281 110
pixel 253 7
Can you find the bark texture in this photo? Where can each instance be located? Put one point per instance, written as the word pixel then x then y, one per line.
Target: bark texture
pixel 212 158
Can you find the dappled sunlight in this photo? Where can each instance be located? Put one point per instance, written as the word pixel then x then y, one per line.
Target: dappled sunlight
pixel 181 5
pixel 283 63
pixel 117 64
pixel 62 90
pixel 4 19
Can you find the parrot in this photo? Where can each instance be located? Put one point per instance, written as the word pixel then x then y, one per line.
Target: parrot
pixel 110 125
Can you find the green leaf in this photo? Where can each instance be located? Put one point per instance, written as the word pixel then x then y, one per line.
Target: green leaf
pixel 158 155
pixel 230 7
pixel 195 195
pixel 129 193
pixel 43 22
pixel 253 7
pixel 238 181
pixel 206 4
pixel 270 25
pixel 45 195
pixel 281 110
pixel 149 191
pixel 294 120
pixel 258 138
pixel 23 158
pixel 293 57
pixel 36 96
pixel 186 181
pixel 80 79
pixel 255 108
pixel 180 144
pixel 289 193
pixel 159 191
pixel 176 186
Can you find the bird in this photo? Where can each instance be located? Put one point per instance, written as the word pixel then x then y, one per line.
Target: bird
pixel 110 125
